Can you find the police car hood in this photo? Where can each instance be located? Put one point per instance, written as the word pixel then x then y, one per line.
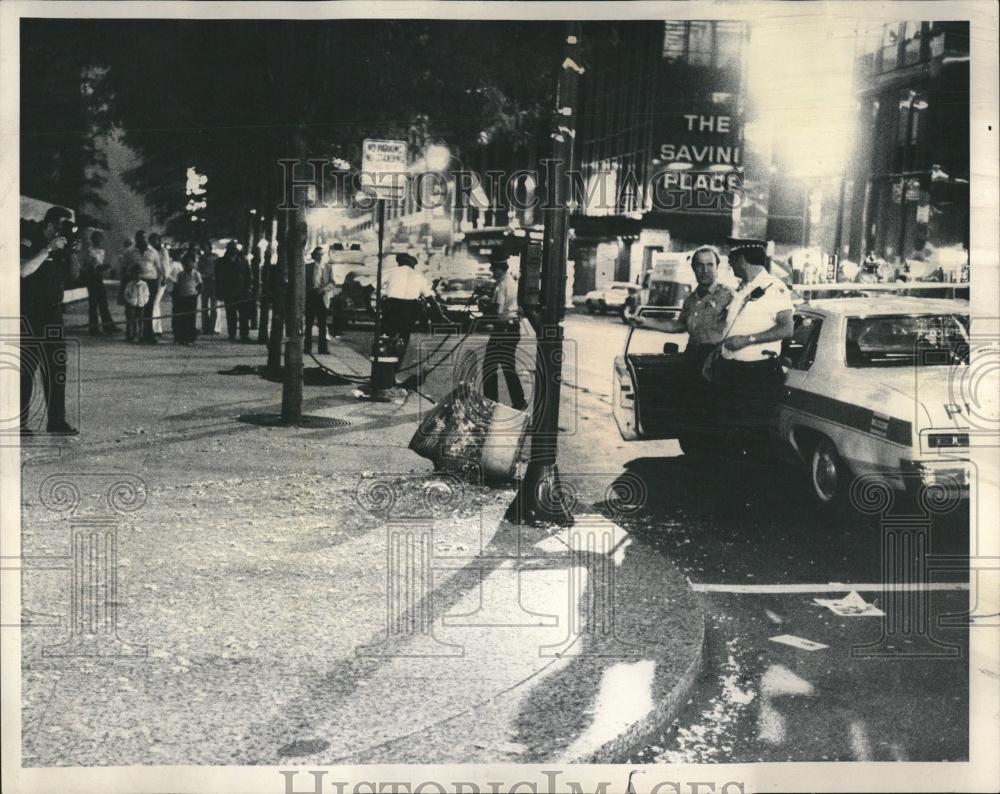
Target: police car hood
pixel 926 395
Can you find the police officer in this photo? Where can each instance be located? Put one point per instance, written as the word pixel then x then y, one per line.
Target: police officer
pixel 703 313
pixel 404 288
pixel 46 267
pixel 501 347
pixel 703 318
pixel 760 317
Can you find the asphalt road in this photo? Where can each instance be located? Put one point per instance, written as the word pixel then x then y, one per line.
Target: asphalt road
pixel 759 554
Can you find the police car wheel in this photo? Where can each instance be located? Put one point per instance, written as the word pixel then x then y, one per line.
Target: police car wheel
pixel 828 473
pixel 590 307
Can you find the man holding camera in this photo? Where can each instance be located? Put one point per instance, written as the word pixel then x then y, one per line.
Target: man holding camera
pixel 46 267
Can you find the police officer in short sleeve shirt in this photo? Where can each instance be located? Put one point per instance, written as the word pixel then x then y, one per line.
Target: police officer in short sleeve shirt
pixel 760 317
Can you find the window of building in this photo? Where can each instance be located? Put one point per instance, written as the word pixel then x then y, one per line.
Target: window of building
pixel 728 43
pixel 912 39
pixel 890 47
pixel 675 41
pixel 703 43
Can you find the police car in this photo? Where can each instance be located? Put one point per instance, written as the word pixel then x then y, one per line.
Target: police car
pixel 870 391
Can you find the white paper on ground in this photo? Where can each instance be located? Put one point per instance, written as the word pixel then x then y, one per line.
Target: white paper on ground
pixel 798 642
pixel 850 606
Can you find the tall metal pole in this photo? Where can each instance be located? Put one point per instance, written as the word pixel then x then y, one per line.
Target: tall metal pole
pixel 838 239
pixel 380 223
pixel 541 497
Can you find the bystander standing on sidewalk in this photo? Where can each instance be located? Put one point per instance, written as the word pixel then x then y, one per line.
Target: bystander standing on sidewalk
pixel 185 300
pixel 163 266
pixel 270 288
pixel 501 347
pixel 148 262
pixel 319 286
pixel 123 270
pixel 136 296
pixel 95 266
pixel 209 300
pixel 233 282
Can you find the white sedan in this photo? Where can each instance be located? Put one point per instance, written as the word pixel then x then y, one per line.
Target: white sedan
pixel 869 392
pixel 610 298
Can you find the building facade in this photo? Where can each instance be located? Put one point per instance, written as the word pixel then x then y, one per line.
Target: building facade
pixel 910 175
pixel 659 141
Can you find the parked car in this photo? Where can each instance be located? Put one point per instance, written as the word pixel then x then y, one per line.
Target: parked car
pixel 610 298
pixel 868 392
pixel 458 296
pixel 666 283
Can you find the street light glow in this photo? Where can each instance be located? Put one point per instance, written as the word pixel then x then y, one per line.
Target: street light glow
pixel 803 105
pixel 438 157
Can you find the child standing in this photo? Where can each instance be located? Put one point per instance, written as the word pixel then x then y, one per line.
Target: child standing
pixel 186 291
pixel 136 296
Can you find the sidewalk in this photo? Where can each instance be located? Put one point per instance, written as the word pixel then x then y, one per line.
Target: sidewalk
pixel 317 596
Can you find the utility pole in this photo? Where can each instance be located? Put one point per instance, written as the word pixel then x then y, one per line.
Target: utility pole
pixel 540 498
pixel 293 243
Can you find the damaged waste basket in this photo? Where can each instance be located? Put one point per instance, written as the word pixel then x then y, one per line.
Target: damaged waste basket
pixel 470 435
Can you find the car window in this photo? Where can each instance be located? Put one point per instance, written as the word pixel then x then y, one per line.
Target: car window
pixel 907 340
pixel 800 349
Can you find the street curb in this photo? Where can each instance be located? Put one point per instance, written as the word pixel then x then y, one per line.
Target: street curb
pixel 664 712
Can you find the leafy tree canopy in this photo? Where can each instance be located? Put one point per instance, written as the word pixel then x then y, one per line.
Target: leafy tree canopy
pixel 229 97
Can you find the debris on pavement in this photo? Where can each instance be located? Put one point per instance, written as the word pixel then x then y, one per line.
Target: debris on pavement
pixel 798 642
pixel 850 606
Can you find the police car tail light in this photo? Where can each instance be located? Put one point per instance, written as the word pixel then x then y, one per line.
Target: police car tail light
pixel 947 440
pixel 952 474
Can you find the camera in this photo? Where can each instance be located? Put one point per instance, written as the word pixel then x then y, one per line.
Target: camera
pixel 70 231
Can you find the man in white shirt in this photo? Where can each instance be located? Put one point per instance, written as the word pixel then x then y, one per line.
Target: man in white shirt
pixel 760 317
pixel 164 268
pixel 319 288
pixel 402 291
pixel 501 348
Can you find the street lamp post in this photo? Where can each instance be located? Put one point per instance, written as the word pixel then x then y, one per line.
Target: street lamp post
pixel 540 497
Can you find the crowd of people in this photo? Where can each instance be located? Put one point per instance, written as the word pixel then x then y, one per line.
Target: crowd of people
pixel 200 283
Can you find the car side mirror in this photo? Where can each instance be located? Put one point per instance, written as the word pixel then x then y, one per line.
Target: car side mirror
pixel 671 348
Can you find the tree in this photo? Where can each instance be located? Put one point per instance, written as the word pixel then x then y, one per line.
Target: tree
pixel 65 107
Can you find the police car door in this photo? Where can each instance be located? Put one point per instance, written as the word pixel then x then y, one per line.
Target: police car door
pixel 648 380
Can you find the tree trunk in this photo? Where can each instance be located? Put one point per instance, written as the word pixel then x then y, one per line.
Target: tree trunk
pixel 277 302
pixel 294 242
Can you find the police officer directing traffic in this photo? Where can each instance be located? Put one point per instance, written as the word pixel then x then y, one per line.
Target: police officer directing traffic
pixel 760 317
